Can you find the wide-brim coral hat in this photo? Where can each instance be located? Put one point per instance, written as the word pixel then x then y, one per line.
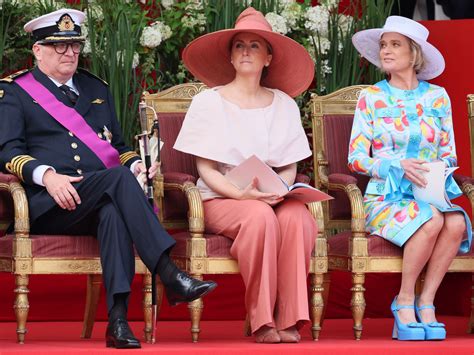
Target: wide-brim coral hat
pixel 208 57
pixel 367 44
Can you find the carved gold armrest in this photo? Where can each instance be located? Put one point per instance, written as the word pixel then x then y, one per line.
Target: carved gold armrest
pixel 185 183
pixel 12 185
pixel 320 248
pixel 467 186
pixel 348 184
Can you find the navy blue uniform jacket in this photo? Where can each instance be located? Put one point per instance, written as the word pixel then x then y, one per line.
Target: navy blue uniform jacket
pixel 30 137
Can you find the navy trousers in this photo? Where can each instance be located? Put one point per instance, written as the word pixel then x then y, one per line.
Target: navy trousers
pixel 115 210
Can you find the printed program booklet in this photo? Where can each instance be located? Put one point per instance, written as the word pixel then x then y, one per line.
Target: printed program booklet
pixel 269 181
pixel 435 192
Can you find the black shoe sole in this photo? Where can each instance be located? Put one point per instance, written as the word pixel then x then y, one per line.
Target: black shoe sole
pixel 111 344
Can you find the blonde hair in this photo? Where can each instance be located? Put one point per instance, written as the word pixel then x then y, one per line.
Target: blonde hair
pixel 418 58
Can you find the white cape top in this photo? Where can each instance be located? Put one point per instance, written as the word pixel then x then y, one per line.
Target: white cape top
pixel 219 130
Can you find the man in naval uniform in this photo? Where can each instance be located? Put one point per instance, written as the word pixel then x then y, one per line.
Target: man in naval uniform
pixel 59 134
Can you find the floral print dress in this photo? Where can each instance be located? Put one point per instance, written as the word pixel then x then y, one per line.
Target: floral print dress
pixel 390 125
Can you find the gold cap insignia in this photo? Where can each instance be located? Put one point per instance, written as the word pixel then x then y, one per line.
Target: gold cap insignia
pixel 65 23
pixel 2 92
pixel 98 101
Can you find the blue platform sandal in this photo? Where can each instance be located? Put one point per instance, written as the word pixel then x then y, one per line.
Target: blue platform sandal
pixel 433 330
pixel 402 331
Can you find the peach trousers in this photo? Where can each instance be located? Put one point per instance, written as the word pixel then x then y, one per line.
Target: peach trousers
pixel 273 247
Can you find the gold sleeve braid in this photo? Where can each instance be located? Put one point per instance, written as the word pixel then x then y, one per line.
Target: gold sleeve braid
pixel 15 166
pixel 127 156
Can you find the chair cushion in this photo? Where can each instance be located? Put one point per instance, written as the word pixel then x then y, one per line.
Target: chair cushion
pixel 339 245
pixel 55 246
pixel 217 246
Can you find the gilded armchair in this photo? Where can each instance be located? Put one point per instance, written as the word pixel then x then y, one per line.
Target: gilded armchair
pixel 23 255
pixel 350 248
pixel 180 207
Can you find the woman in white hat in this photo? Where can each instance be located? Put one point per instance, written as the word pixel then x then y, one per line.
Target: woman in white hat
pixel 248 113
pixel 399 125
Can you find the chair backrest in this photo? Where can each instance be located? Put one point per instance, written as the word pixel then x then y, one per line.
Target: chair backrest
pixel 470 110
pixel 332 117
pixel 171 106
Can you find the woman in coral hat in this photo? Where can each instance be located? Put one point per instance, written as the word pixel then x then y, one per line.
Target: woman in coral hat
pixel 253 73
pixel 401 124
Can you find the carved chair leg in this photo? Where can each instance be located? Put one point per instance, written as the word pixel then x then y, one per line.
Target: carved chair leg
pixel 195 310
pixel 358 303
pixel 92 299
pixel 146 303
pixel 21 306
pixel 317 304
pixel 470 328
pixel 247 328
pixel 326 285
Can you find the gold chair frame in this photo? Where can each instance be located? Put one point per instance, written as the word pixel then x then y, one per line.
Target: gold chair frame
pixel 177 100
pixel 358 262
pixel 22 264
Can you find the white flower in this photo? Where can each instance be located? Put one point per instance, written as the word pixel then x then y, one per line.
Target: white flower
pixel 167 3
pixel 151 37
pixel 344 23
pixel 164 29
pixel 292 12
pixel 194 5
pixel 87 47
pixel 84 29
pixel 194 21
pixel 277 22
pixel 317 20
pixel 322 44
pixel 181 75
pixel 330 4
pixel 135 60
pixel 325 68
pixel 96 12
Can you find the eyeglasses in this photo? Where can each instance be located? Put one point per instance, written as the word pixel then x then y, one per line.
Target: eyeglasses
pixel 62 48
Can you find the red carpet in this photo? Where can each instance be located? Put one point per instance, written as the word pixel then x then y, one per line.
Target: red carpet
pixel 226 337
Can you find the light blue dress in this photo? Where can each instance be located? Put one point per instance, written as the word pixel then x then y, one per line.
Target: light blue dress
pixel 390 125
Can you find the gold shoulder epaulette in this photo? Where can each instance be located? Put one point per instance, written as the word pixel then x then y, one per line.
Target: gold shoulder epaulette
pixel 85 71
pixel 10 78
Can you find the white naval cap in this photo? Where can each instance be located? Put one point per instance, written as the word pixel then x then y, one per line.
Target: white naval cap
pixel 57 26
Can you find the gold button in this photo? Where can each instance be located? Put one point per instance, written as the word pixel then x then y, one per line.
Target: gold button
pixel 77 158
pixel 70 133
pixel 74 145
pixel 100 135
pixel 79 171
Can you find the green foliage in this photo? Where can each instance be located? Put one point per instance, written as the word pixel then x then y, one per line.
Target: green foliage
pixel 114 28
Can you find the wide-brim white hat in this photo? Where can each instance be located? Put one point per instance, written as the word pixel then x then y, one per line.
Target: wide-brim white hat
pixel 367 44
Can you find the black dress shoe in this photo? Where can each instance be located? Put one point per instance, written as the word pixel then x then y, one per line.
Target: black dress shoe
pixel 120 336
pixel 186 289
